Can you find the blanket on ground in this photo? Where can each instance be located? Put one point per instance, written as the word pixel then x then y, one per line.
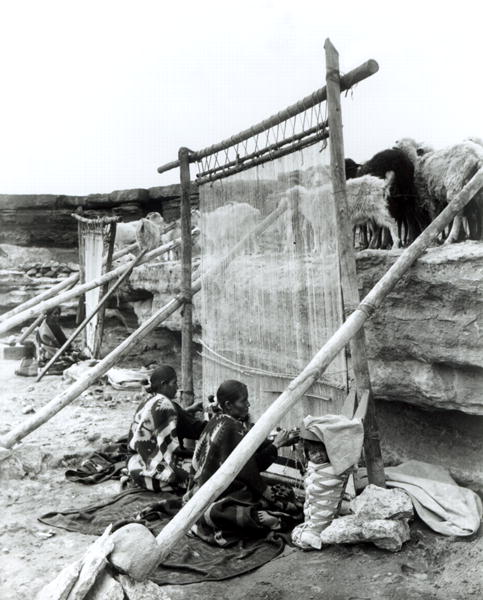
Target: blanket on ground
pixel 438 500
pixel 192 561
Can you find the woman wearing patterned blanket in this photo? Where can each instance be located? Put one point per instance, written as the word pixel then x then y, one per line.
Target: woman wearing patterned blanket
pixel 155 438
pixel 248 507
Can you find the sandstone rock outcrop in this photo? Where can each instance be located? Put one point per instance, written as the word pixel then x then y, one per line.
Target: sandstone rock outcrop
pixel 46 221
pixel 424 343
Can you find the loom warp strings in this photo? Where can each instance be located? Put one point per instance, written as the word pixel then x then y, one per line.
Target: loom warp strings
pixel 272 306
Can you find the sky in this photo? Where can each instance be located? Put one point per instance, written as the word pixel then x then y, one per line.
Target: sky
pixel 96 95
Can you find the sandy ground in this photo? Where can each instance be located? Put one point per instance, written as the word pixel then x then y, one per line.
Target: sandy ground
pixel 31 554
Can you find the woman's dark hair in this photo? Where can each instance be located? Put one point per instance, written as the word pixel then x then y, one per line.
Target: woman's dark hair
pixel 230 391
pixel 161 375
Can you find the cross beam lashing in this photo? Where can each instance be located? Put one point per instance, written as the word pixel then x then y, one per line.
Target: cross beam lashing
pixel 346 82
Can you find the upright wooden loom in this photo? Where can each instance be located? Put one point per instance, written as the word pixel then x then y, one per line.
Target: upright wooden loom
pixel 96 244
pixel 298 127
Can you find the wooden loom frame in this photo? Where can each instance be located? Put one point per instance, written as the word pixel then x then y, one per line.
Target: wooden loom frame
pixel 110 224
pixel 335 84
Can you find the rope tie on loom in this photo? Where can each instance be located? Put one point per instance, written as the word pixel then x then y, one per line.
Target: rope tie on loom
pixel 247 370
pixel 365 307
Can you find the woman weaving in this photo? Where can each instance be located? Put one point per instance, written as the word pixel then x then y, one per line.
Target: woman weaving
pixel 49 338
pixel 156 435
pixel 248 507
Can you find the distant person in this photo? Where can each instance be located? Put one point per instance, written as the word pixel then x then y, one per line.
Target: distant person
pixel 28 364
pixel 50 338
pixel 156 435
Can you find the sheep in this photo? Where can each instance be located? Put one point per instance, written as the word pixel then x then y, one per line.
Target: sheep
pixel 148 235
pixel 126 232
pixel 441 174
pixel 226 225
pixel 366 199
pixel 403 202
pixel 351 168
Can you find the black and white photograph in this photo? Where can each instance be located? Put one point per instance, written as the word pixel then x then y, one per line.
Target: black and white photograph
pixel 241 300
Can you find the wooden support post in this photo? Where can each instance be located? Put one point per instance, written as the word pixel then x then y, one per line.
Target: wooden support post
pixel 92 314
pixel 186 267
pixel 350 291
pixel 107 265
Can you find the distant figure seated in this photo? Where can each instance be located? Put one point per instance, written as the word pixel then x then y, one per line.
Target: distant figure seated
pixel 248 507
pixel 49 338
pixel 155 437
pixel 28 364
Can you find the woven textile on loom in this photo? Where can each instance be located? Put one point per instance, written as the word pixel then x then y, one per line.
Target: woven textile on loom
pixel 96 238
pixel 271 308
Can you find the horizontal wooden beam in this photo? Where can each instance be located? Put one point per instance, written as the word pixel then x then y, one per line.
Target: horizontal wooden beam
pixel 346 82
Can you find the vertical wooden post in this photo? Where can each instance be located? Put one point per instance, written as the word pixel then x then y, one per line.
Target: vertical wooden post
pixel 103 291
pixel 186 255
pixel 350 291
pixel 81 306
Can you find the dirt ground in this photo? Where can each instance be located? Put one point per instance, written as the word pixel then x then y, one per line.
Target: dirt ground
pixel 31 554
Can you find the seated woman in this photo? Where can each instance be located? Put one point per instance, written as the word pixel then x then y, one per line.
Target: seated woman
pixel 248 507
pixel 49 338
pixel 155 438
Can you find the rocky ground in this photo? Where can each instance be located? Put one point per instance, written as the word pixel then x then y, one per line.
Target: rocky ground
pixel 31 554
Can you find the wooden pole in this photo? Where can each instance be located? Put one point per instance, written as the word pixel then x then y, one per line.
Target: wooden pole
pixel 192 510
pixel 186 270
pixel 46 305
pixel 350 291
pixel 92 314
pixel 27 332
pixel 107 265
pixel 66 283
pixel 348 80
pixel 71 393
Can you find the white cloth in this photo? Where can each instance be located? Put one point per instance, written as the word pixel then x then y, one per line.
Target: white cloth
pixel 127 379
pixel 438 500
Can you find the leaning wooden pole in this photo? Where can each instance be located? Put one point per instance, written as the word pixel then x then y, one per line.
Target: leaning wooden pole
pixel 69 282
pixel 71 393
pixel 65 284
pixel 46 305
pixel 186 269
pixel 192 511
pixel 350 291
pixel 31 327
pixel 90 316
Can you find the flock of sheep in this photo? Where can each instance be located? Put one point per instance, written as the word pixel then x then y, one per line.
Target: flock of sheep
pixel 396 193
pixel 418 183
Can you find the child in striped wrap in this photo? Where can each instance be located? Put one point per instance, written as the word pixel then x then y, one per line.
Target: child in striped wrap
pixel 333 445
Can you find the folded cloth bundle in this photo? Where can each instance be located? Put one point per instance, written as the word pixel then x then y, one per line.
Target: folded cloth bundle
pixel 438 500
